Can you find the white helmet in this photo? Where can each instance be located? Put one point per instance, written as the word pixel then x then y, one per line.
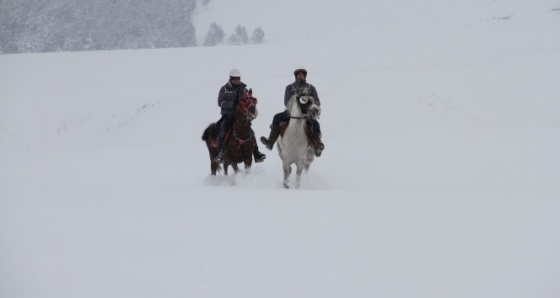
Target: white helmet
pixel 235 73
pixel 300 69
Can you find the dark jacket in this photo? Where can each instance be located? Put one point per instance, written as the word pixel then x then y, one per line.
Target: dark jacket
pixel 304 87
pixel 229 97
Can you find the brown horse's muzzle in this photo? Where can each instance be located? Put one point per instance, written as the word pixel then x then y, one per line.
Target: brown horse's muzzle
pixel 252 113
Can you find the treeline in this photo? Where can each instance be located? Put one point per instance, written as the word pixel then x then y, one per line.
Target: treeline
pixel 38 26
pixel 35 26
pixel 216 35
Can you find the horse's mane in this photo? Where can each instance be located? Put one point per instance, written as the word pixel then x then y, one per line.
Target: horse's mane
pixel 291 103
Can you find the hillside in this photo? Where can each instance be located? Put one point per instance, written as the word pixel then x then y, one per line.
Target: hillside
pixel 439 177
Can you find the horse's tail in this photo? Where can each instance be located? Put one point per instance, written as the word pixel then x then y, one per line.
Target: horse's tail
pixel 206 134
pixel 210 132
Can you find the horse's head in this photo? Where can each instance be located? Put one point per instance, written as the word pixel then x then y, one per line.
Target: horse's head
pixel 247 106
pixel 306 106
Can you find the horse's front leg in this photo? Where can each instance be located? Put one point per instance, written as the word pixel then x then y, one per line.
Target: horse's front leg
pixel 309 159
pixel 235 168
pixel 248 163
pixel 287 170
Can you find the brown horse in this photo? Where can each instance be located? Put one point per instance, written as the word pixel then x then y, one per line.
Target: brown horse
pixel 239 141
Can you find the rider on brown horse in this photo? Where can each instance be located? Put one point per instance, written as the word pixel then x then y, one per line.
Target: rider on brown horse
pixel 304 88
pixel 228 98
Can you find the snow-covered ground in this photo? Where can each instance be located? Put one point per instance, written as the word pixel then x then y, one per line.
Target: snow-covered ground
pixel 440 177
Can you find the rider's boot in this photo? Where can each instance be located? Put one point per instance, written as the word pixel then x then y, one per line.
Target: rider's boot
pixel 259 157
pixel 274 133
pixel 318 145
pixel 220 157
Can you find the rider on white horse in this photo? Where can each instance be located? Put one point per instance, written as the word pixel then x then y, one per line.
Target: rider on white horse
pixel 300 85
pixel 228 97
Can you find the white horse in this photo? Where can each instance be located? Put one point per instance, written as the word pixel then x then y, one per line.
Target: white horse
pixel 293 145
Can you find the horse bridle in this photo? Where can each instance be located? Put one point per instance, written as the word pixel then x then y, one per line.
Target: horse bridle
pixel 303 116
pixel 244 108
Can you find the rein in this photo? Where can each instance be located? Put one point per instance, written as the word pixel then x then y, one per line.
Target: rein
pixel 241 141
pixel 303 116
pixel 307 116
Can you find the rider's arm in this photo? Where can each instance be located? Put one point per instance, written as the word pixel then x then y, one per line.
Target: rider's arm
pixel 221 96
pixel 287 94
pixel 315 95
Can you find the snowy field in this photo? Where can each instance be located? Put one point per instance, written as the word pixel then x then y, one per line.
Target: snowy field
pixel 440 177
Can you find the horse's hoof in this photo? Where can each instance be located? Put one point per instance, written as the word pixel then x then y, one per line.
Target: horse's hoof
pixel 286 186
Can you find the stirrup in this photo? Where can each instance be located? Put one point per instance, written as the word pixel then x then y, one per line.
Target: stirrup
pixel 219 158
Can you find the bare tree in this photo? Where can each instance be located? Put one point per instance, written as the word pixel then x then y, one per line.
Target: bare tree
pixel 258 35
pixel 215 35
pixel 240 36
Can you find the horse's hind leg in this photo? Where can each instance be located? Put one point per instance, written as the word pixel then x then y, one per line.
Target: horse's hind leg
pixel 212 152
pixel 213 167
pixel 298 175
